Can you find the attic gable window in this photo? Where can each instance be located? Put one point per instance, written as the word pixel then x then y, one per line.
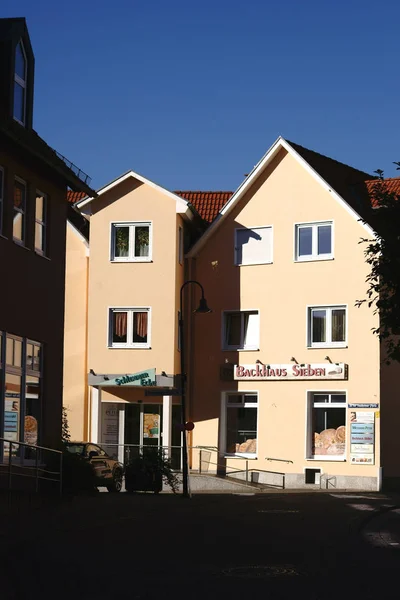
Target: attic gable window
pixel 20 84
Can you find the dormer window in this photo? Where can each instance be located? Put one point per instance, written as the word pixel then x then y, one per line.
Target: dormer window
pixel 20 84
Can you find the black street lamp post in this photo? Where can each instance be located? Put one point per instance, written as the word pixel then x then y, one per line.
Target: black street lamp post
pixel 202 308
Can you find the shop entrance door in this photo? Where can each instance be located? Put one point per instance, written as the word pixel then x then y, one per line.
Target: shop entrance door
pixel 151 425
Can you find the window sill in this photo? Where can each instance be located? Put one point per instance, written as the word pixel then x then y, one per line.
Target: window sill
pixel 129 347
pixel 254 264
pixel 313 259
pixel 327 459
pixel 234 349
pixel 4 237
pixel 247 456
pixel 20 244
pixel 41 255
pixel 18 121
pixel 328 346
pixel 130 260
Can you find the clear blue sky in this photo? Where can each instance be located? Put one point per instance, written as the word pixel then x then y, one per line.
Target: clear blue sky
pixel 192 93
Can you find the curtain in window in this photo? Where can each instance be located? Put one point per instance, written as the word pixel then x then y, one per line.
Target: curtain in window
pixel 319 326
pixel 338 325
pixel 121 241
pixel 141 241
pixel 120 324
pixel 140 320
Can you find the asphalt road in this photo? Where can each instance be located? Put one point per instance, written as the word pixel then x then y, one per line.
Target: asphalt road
pixel 279 546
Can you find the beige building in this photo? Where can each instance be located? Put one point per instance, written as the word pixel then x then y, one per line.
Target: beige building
pixel 284 378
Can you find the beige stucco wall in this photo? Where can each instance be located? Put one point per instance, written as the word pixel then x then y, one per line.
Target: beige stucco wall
pixel 75 337
pixel 148 284
pixel 284 195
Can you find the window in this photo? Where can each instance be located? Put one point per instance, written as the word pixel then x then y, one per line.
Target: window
pixel 327 327
pixel 129 328
pixel 19 211
pixel 180 245
pixel 22 394
pixel 1 197
pixel 241 424
pixel 241 330
pixel 40 223
pixel 327 425
pixel 20 84
pixel 253 246
pixel 314 241
pixel 131 242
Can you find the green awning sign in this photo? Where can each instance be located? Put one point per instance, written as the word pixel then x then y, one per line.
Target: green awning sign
pixel 143 378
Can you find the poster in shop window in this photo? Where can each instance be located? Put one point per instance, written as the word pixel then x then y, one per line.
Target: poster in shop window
pixel 151 423
pixel 362 437
pixel 110 428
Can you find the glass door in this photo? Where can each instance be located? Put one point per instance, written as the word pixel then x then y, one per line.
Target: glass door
pixel 151 423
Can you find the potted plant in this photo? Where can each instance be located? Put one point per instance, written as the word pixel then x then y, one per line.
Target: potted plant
pixel 146 473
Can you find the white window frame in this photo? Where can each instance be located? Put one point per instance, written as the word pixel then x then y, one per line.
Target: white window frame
pixel 224 409
pixel 21 212
pixel 180 245
pixel 129 343
pixel 132 225
pixel 236 248
pixel 1 199
pixel 241 346
pixel 314 255
pixel 21 82
pixel 328 344
pixel 334 405
pixel 43 224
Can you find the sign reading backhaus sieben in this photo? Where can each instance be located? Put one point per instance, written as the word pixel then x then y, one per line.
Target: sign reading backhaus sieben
pixel 290 372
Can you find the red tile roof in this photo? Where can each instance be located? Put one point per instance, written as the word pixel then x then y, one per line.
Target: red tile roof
pixel 73 197
pixel 392 185
pixel 208 204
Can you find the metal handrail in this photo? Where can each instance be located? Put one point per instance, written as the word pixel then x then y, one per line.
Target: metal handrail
pixel 37 470
pixel 279 460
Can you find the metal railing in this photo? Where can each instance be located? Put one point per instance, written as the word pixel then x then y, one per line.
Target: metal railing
pixel 78 172
pixel 199 463
pixel 24 466
pixel 249 475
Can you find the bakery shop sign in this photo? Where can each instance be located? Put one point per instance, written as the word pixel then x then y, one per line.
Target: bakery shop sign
pixel 290 372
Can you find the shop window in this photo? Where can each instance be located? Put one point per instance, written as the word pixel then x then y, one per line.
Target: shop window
pixel 1 198
pixel 131 242
pixel 314 241
pixel 41 223
pixel 241 424
pixel 12 407
pixel 327 425
pixel 327 327
pixel 253 246
pixel 20 77
pixel 19 211
pixel 129 328
pixel 241 330
pixel 22 395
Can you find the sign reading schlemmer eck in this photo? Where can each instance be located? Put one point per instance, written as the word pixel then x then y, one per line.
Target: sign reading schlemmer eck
pixel 290 372
pixel 143 378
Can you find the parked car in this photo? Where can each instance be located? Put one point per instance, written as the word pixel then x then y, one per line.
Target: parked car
pixel 108 471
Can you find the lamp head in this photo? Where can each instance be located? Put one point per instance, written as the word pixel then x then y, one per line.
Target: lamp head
pixel 203 306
